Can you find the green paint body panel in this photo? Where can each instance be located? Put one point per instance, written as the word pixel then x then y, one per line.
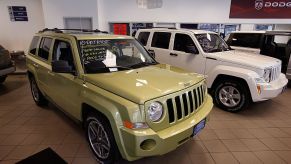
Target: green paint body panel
pixel 123 95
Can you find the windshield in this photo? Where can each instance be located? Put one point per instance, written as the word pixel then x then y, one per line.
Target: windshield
pixel 212 43
pixel 110 55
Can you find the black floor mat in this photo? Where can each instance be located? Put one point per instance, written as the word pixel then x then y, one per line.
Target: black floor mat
pixel 46 156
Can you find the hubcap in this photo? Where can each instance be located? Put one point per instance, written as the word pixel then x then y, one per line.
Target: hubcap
pixel 98 139
pixel 229 96
pixel 34 91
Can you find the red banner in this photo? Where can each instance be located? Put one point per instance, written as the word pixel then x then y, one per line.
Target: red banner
pixel 260 9
pixel 120 29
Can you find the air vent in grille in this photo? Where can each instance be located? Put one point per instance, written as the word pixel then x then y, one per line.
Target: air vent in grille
pixel 178 107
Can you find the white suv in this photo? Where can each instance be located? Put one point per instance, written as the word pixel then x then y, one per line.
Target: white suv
pixel 235 78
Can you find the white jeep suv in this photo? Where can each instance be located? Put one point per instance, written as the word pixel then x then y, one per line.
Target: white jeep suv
pixel 234 78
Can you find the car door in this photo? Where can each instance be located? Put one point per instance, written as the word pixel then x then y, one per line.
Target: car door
pixel 66 86
pixel 185 53
pixel 42 65
pixel 160 46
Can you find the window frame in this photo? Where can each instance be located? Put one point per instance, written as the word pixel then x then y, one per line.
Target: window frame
pixel 50 49
pixel 72 51
pixel 153 36
pixel 147 39
pixel 36 45
pixel 174 38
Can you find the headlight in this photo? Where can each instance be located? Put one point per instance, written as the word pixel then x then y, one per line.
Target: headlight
pixel 267 74
pixel 155 111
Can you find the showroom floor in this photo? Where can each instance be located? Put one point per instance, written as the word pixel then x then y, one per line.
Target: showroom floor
pixel 260 134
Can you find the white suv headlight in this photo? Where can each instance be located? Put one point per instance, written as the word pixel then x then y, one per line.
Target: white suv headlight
pixel 267 74
pixel 155 111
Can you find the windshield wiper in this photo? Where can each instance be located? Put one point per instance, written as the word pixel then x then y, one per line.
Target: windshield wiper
pixel 142 64
pixel 120 67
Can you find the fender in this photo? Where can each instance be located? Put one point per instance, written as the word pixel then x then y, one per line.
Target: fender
pixel 246 74
pixel 113 107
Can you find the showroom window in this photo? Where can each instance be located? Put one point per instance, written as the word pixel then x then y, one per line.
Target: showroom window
pixel 246 40
pixel 44 48
pixel 33 45
pixel 184 43
pixel 143 37
pixel 161 40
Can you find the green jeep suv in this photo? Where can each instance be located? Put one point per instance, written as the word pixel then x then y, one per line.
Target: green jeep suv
pixel 129 104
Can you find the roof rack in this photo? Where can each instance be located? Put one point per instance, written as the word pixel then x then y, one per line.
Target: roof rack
pixel 56 30
pixel 171 28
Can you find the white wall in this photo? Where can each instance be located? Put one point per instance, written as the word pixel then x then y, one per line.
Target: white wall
pixel 283 27
pixel 196 11
pixel 56 10
pixel 17 35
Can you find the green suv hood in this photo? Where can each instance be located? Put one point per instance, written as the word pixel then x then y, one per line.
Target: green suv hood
pixel 143 84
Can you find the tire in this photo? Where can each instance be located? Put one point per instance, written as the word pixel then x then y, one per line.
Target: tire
pixel 105 140
pixel 2 79
pixel 231 95
pixel 37 96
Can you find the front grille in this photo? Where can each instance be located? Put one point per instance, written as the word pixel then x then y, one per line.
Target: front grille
pixel 184 105
pixel 275 72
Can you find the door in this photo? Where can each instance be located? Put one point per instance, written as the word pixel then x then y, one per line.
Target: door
pixel 186 55
pixel 42 65
pixel 160 46
pixel 66 86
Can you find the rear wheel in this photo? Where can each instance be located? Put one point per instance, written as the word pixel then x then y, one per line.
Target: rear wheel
pixel 2 79
pixel 231 95
pixel 101 139
pixel 37 96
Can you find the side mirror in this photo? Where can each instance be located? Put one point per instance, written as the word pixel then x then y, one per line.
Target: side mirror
pixel 62 66
pixel 192 49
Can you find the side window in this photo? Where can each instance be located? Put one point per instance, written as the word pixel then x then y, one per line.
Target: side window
pixel 63 51
pixel 44 48
pixel 184 43
pixel 161 40
pixel 33 45
pixel 143 37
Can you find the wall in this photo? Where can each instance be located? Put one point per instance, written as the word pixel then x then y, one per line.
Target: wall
pixel 196 11
pixel 17 35
pixel 56 10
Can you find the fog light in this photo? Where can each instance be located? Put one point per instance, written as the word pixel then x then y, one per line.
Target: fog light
pixel 148 144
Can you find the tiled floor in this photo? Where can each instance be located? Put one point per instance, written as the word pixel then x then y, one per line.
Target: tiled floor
pixel 260 134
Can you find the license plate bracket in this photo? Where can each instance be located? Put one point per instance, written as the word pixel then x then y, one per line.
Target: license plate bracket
pixel 198 127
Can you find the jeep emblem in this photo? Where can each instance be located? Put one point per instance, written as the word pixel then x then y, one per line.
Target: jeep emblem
pixel 259 4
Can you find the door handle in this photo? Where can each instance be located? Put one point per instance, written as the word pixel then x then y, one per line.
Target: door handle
pixel 172 54
pixel 35 65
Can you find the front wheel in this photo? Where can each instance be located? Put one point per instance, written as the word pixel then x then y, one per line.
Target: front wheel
pixel 101 139
pixel 37 96
pixel 231 95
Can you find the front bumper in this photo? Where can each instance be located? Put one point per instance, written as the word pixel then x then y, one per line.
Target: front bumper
pixel 271 90
pixel 165 140
pixel 7 71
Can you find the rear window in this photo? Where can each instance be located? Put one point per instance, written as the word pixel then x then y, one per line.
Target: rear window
pixel 161 40
pixel 250 40
pixel 44 48
pixel 33 45
pixel 143 37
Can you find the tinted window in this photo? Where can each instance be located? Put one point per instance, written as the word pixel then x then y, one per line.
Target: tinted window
pixel 143 37
pixel 246 40
pixel 62 51
pixel 184 42
pixel 33 45
pixel 161 40
pixel 44 48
